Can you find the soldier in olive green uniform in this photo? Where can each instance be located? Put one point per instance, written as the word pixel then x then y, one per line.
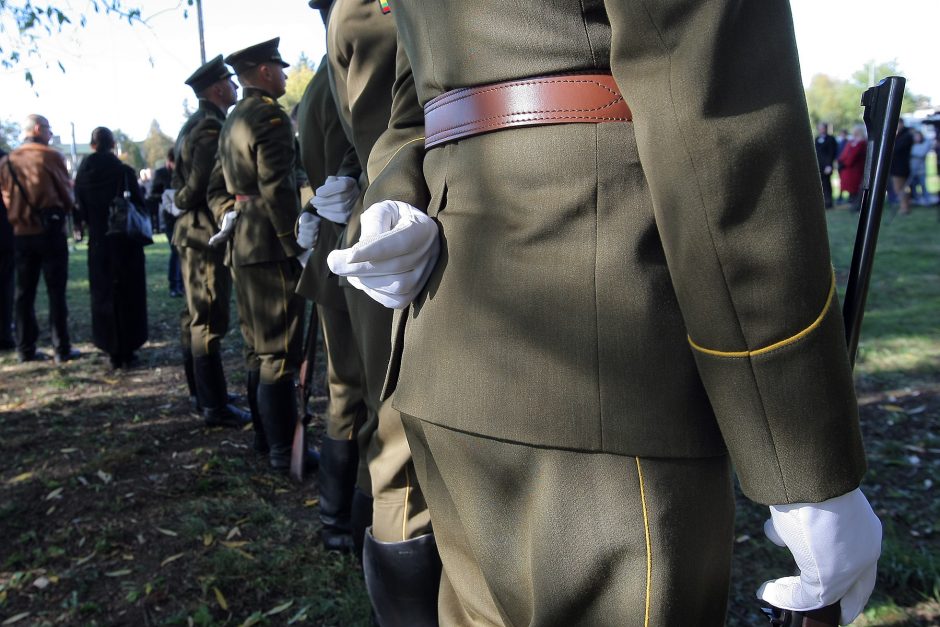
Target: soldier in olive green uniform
pixel 256 157
pixel 619 309
pixel 400 557
pixel 208 282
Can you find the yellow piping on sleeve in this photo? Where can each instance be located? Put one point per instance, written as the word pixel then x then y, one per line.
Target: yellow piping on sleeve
pixel 400 148
pixel 404 516
pixel 790 340
pixel 649 550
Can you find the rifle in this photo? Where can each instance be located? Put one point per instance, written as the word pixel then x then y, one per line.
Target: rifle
pixel 882 110
pixel 299 447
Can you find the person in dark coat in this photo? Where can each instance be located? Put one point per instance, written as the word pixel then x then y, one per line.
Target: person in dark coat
pixel 826 151
pixel 7 268
pixel 901 167
pixel 162 181
pixel 116 268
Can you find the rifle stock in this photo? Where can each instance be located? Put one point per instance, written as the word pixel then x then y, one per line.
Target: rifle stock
pixel 299 446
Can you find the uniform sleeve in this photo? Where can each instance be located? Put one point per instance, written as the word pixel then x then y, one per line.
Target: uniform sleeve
pixel 217 195
pixel 274 154
pixel 725 142
pixel 395 165
pixel 205 144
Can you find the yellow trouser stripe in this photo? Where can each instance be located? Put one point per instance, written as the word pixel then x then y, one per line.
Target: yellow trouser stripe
pixel 790 340
pixel 649 550
pixel 404 516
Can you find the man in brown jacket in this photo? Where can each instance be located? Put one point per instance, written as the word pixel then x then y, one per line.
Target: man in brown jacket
pixel 38 197
pixel 610 288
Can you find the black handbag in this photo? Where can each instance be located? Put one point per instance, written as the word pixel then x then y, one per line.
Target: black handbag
pixel 126 220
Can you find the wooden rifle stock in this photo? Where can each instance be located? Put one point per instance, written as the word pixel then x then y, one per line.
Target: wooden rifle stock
pixel 305 389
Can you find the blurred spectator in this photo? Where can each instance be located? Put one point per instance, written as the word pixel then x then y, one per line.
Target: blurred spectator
pixel 901 166
pixel 918 178
pixel 826 149
pixel 37 193
pixel 852 165
pixel 116 270
pixel 162 181
pixel 842 139
pixel 7 270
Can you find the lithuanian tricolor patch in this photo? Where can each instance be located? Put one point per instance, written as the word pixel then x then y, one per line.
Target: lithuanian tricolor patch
pixel 385 8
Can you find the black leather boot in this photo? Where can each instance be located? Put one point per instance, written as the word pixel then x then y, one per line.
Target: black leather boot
pixel 261 441
pixel 339 462
pixel 213 396
pixel 277 403
pixel 190 371
pixel 402 579
pixel 360 519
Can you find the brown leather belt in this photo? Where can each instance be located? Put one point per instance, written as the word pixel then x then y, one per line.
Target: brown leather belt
pixel 245 197
pixel 557 99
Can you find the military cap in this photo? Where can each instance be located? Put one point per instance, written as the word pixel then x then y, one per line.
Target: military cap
pixel 247 58
pixel 210 72
pixel 320 4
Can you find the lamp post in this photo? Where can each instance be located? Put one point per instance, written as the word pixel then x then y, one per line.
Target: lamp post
pixel 202 39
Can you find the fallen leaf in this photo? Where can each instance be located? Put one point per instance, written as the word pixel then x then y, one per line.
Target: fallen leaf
pixel 311 502
pixel 127 557
pixel 166 532
pixel 280 608
pixel 119 573
pixel 207 539
pixel 68 450
pixel 254 619
pixel 57 493
pixel 281 491
pixel 104 476
pixel 234 545
pixel 742 538
pixel 233 532
pixel 83 480
pixel 896 408
pixel 245 554
pixel 50 511
pixel 54 578
pixel 20 479
pixel 220 599
pixel 172 558
pixel 15 619
pixel 82 560
pixel 42 583
pixel 917 410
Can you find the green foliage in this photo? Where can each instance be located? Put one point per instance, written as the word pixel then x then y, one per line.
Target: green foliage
pixel 837 101
pixel 156 145
pixel 9 135
pixel 128 150
pixel 23 23
pixel 298 76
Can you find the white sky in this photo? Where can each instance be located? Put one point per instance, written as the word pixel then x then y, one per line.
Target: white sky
pixel 124 77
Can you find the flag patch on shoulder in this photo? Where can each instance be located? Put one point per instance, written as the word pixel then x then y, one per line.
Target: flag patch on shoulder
pixel 385 8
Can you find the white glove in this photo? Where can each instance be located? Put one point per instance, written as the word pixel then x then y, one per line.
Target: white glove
pixel 336 198
pixel 308 225
pixel 394 256
pixel 168 205
pixel 226 228
pixel 304 257
pixel 836 545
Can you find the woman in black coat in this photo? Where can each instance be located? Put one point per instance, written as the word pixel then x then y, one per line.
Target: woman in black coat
pixel 116 269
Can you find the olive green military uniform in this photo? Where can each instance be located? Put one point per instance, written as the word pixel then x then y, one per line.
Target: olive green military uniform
pixel 208 282
pixel 323 146
pixel 361 46
pixel 256 151
pixel 617 307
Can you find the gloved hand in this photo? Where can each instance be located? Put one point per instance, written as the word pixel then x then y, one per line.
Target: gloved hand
pixel 336 198
pixel 226 228
pixel 394 256
pixel 308 225
pixel 304 257
pixel 836 545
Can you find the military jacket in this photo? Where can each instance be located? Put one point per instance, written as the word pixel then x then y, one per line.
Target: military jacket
pixel 361 48
pixel 256 156
pixel 656 288
pixel 195 150
pixel 323 146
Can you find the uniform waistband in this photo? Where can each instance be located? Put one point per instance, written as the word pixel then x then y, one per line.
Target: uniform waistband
pixel 557 99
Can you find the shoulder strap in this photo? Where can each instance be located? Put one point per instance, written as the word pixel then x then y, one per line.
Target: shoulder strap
pixel 19 185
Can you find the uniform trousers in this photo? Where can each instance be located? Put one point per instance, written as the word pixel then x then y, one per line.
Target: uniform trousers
pixel 399 511
pixel 271 316
pixel 47 254
pixel 208 289
pixel 540 536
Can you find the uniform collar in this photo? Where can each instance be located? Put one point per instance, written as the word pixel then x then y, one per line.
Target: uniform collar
pixel 256 92
pixel 211 108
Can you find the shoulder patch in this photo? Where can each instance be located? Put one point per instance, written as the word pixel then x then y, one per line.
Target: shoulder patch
pixel 277 121
pixel 383 4
pixel 268 99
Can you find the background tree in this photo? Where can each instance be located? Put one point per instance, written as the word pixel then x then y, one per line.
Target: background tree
pixel 156 145
pixel 9 134
pixel 129 151
pixel 838 101
pixel 298 76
